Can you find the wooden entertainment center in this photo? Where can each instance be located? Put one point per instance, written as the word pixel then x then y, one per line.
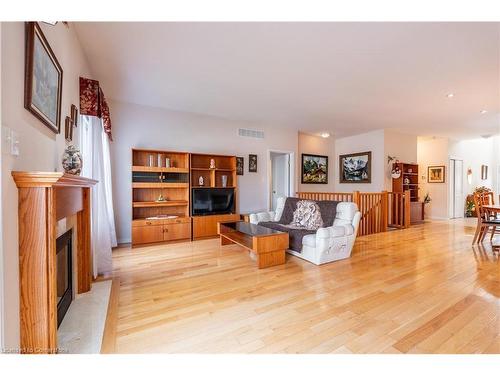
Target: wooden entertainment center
pixel 162 191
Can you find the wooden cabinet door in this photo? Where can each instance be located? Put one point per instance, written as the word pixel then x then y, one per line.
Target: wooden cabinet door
pixel 147 234
pixel 179 231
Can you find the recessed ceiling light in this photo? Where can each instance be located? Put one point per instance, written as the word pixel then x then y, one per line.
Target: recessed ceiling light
pixel 484 111
pixel 450 95
pixel 325 135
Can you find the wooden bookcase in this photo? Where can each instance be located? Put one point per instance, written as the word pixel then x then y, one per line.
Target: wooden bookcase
pixel 151 179
pixel 409 180
pixel 206 226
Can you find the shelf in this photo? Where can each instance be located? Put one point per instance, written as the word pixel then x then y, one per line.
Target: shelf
pixel 212 187
pixel 411 174
pixel 160 204
pixel 410 184
pixel 214 169
pixel 140 168
pixel 159 185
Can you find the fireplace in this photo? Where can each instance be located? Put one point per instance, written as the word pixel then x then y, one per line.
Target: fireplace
pixel 64 274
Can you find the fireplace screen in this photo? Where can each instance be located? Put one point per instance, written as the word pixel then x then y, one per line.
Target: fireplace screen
pixel 64 272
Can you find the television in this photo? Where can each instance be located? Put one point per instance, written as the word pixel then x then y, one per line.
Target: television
pixel 212 201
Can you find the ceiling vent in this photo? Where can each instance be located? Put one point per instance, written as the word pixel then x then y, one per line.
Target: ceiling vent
pixel 251 133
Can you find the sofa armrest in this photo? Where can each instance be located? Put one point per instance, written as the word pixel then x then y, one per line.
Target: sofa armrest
pixel 334 231
pixel 261 216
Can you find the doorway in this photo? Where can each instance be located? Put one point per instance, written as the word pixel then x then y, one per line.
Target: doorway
pixel 280 176
pixel 457 199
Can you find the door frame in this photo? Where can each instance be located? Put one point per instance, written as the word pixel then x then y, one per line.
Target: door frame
pixel 291 174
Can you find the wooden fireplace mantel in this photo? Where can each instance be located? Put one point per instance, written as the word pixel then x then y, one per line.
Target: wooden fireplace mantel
pixel 45 198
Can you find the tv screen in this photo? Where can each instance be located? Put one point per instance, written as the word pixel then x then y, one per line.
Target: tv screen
pixel 212 201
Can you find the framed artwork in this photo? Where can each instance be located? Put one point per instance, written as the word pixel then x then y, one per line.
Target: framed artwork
pixel 356 168
pixel 43 79
pixel 314 169
pixel 252 163
pixel 435 174
pixel 74 115
pixel 484 172
pixel 240 166
pixel 68 129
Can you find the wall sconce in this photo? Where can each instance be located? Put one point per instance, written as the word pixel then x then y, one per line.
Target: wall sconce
pixel 469 176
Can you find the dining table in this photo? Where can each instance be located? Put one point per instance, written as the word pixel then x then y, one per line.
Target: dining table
pixel 493 210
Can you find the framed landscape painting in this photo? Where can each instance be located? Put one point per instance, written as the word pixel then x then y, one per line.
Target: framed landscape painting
pixel 43 79
pixel 435 174
pixel 356 168
pixel 314 169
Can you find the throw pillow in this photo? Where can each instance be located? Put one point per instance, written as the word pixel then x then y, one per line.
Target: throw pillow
pixel 307 215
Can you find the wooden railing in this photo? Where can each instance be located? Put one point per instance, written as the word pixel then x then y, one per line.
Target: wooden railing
pixel 343 197
pixel 376 208
pixel 399 210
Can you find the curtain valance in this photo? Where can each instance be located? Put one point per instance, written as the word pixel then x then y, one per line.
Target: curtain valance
pixel 93 103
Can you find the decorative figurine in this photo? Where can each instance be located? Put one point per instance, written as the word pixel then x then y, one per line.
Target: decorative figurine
pixel 72 160
pixel 201 182
pixel 212 163
pixel 161 198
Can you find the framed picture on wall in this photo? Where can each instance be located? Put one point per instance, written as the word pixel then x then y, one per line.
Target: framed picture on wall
pixel 240 165
pixel 252 163
pixel 435 174
pixel 314 169
pixel 43 79
pixel 356 168
pixel 484 172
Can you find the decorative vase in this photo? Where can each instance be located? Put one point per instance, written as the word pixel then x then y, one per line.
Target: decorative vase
pixel 150 160
pixel 167 162
pixel 200 181
pixel 224 181
pixel 72 160
pixel 159 160
pixel 212 163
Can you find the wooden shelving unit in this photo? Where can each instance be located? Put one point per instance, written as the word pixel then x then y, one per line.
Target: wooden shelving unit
pixel 155 220
pixel 409 181
pixel 206 226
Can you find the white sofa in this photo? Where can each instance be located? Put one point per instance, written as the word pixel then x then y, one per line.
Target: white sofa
pixel 328 244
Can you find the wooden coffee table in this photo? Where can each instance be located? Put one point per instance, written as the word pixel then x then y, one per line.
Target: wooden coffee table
pixel 268 245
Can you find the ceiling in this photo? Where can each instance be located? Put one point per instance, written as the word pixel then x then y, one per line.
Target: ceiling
pixel 343 78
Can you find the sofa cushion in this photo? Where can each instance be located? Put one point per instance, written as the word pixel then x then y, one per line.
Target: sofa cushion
pixel 345 213
pixel 307 215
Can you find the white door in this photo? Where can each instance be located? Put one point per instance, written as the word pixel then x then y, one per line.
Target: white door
pixel 457 199
pixel 459 189
pixel 280 177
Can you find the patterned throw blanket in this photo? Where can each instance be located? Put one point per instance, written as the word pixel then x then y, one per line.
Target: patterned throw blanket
pixel 288 223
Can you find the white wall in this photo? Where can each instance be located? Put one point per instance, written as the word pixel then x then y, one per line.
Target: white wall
pixel 475 153
pixel 1 216
pixel 149 127
pixel 402 146
pixel 40 148
pixel 433 152
pixel 371 141
pixel 312 144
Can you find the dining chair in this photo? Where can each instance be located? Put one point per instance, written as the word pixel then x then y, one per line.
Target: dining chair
pixel 486 220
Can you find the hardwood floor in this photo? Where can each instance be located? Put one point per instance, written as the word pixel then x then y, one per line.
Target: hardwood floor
pixel 420 290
